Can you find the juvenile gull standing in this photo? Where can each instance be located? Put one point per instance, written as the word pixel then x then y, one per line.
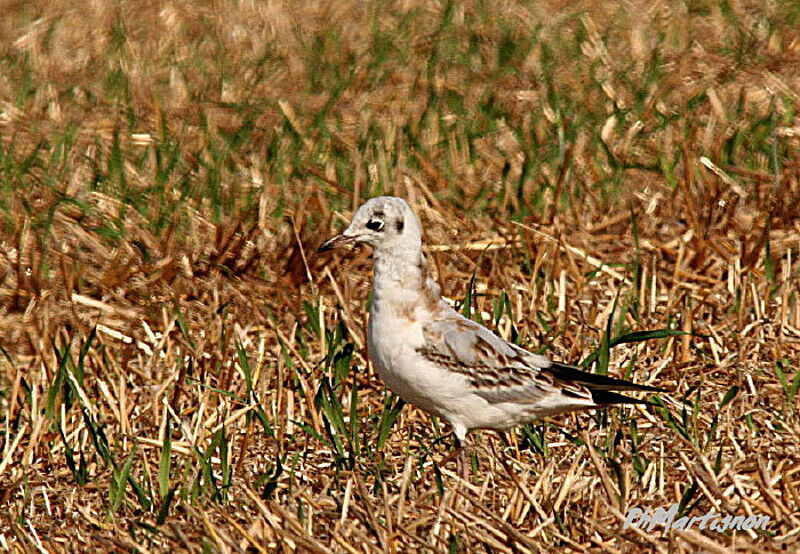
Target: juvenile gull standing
pixel 440 361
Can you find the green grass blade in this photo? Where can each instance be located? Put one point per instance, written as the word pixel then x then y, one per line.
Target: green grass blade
pixel 244 363
pixel 730 395
pixel 604 353
pixel 166 502
pixel 119 482
pixel 388 417
pixel 164 462
pixel 636 336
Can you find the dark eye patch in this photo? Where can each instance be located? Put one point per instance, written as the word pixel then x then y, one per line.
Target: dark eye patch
pixel 374 224
pixel 399 224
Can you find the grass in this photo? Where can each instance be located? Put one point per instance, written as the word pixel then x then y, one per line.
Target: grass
pixel 180 371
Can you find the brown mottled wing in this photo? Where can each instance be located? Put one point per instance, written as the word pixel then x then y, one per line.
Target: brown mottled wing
pixel 497 370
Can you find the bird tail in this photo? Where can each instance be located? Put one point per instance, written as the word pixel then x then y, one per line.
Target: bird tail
pixel 598 384
pixel 606 398
pixel 601 386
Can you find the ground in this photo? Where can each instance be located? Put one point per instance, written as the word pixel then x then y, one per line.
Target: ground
pixel 179 369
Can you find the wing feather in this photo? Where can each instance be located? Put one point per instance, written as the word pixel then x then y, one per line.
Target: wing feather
pixel 497 370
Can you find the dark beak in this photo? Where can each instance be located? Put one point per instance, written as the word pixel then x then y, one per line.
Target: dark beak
pixel 338 240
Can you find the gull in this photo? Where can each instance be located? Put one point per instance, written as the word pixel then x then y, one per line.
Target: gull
pixel 445 364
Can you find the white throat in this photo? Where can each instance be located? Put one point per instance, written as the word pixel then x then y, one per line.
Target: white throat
pixel 402 282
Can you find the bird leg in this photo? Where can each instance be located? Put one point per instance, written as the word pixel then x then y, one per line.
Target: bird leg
pixel 450 455
pixel 462 459
pixel 461 454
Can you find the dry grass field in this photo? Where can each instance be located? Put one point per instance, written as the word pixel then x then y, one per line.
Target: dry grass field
pixel 180 371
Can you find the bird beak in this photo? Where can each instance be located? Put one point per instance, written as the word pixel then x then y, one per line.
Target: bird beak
pixel 338 240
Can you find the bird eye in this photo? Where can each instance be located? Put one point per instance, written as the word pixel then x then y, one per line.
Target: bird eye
pixel 375 224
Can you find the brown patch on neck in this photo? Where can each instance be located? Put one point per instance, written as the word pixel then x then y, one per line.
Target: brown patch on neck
pixel 428 298
pixel 407 311
pixel 429 289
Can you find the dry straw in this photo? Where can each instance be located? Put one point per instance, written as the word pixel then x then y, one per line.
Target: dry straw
pixel 179 371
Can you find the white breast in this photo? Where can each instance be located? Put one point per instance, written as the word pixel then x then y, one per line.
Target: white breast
pixel 392 349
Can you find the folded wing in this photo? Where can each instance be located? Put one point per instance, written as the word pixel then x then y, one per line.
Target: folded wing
pixel 500 371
